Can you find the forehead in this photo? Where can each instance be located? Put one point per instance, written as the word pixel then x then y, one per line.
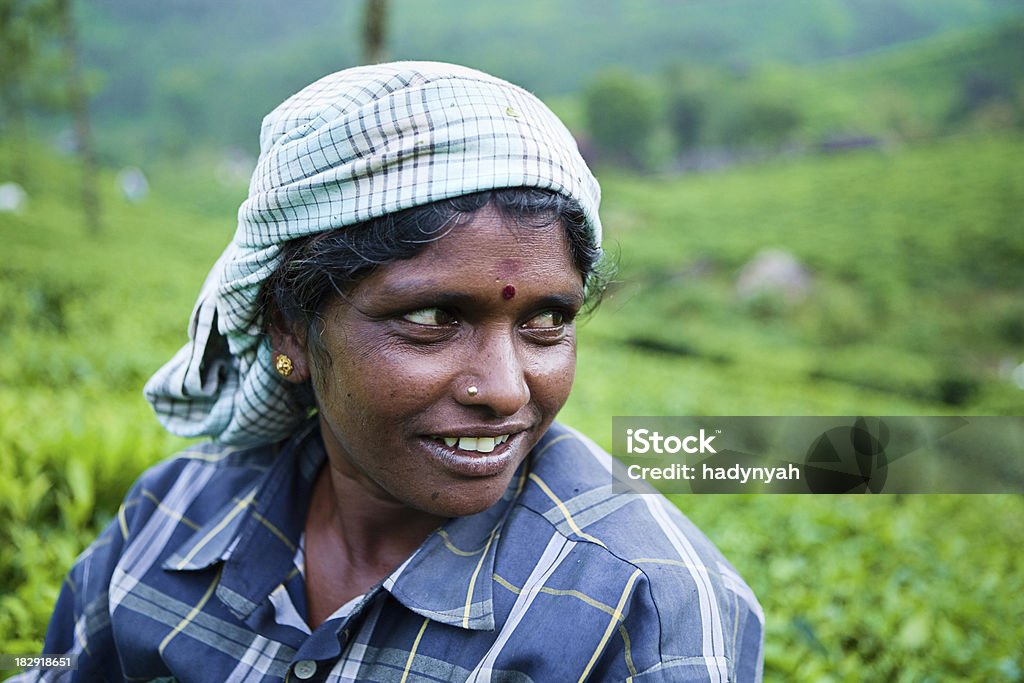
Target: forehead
pixel 488 249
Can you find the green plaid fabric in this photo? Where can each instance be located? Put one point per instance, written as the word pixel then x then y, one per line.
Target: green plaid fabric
pixel 355 145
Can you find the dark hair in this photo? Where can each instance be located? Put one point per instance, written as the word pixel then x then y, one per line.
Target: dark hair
pixel 316 268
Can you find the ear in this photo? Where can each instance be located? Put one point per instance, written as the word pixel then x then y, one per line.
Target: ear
pixel 289 344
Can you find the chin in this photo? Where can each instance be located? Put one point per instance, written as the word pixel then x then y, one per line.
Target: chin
pixel 467 498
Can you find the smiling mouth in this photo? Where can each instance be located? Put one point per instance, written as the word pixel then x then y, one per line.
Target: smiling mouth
pixel 478 444
pixel 477 456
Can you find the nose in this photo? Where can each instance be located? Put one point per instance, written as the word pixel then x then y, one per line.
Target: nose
pixel 498 374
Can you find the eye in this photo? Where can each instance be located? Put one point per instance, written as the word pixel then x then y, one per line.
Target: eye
pixel 546 320
pixel 434 317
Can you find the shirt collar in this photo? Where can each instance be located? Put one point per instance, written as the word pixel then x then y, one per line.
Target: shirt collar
pixel 256 534
pixel 448 578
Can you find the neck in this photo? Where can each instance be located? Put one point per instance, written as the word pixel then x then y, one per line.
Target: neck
pixel 354 540
pixel 370 531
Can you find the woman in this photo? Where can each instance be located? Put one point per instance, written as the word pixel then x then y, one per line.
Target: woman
pixel 379 357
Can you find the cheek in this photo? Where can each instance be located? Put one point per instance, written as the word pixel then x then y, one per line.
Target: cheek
pixel 378 380
pixel 552 375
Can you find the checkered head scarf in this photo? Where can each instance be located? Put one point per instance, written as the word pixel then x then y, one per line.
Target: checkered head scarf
pixel 354 146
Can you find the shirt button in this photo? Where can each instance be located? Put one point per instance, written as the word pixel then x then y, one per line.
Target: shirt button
pixel 305 669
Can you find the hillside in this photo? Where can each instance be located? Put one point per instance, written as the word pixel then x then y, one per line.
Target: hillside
pixel 711 117
pixel 923 88
pixel 175 74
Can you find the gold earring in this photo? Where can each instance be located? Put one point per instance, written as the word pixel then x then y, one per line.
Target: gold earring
pixel 283 365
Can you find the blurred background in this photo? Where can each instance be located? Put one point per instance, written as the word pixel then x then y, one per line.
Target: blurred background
pixel 816 207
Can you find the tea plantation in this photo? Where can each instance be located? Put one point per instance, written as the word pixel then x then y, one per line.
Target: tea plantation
pixel 915 306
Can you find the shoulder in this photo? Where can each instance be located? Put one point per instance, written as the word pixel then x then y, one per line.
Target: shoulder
pixel 703 607
pixel 207 461
pixel 165 505
pixel 194 483
pixel 175 497
pixel 573 483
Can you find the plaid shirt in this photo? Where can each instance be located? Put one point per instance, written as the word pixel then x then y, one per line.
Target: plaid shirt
pixel 200 578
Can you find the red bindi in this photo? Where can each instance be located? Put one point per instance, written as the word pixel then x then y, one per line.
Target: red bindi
pixel 507 292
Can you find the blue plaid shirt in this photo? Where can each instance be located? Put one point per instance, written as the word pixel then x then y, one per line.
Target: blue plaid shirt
pixel 200 578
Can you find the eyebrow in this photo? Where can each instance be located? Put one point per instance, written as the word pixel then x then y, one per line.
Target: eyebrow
pixel 424 292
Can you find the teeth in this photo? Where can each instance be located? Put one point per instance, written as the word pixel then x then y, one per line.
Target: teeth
pixel 479 444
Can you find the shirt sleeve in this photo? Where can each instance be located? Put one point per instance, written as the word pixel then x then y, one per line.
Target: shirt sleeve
pixel 670 642
pixel 749 655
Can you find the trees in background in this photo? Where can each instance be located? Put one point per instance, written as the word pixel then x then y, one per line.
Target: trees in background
pixel 20 25
pixel 40 69
pixel 685 108
pixel 643 123
pixel 78 106
pixel 375 22
pixel 622 116
pixel 705 116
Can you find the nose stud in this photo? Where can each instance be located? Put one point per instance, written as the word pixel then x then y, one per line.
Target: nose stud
pixel 472 391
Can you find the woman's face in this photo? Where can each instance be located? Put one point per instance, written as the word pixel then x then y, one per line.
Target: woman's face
pixel 488 306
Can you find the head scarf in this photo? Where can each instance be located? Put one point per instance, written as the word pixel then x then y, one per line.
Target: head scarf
pixel 353 146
